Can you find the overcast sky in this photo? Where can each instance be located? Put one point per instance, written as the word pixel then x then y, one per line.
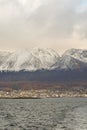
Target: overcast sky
pixel 56 24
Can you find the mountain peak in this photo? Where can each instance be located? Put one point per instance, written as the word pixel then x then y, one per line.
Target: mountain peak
pixel 29 60
pixel 79 54
pixel 40 58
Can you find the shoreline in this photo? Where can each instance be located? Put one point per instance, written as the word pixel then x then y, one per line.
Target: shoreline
pixel 19 98
pixel 40 94
pixel 42 97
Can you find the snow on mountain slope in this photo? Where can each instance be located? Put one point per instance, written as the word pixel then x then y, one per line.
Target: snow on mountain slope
pixel 68 62
pixel 30 60
pixel 15 60
pixel 79 54
pixel 47 57
pixel 74 59
pixel 3 56
pixel 38 59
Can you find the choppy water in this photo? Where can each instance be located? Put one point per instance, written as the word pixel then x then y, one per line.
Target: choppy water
pixel 43 114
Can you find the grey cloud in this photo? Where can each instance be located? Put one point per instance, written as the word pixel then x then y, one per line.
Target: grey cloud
pixel 56 18
pixel 40 20
pixel 82 23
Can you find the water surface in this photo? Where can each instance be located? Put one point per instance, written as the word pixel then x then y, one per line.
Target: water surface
pixel 43 114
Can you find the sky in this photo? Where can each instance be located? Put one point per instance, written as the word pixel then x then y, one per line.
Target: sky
pixel 56 24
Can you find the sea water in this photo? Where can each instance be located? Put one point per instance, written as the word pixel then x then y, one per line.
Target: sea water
pixel 43 114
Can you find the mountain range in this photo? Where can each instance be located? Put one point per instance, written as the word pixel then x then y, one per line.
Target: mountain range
pixel 39 59
pixel 43 69
pixel 43 65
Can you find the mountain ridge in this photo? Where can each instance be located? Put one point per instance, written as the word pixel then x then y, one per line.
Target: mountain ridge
pixel 39 59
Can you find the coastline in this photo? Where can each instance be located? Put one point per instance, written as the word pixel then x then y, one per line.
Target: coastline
pixel 40 94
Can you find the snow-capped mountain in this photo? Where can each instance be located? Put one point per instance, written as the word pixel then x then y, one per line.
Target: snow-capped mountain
pixel 3 57
pixel 78 54
pixel 74 59
pixel 28 60
pixel 38 59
